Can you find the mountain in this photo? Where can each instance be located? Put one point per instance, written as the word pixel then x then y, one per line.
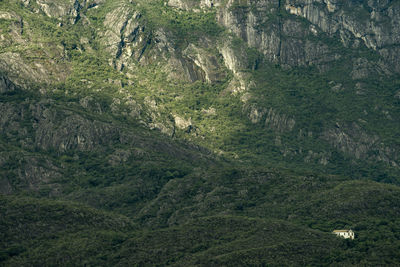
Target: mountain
pixel 183 132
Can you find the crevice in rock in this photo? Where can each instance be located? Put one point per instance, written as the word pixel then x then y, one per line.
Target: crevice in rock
pixel 121 44
pixel 21 22
pixel 77 8
pixel 143 50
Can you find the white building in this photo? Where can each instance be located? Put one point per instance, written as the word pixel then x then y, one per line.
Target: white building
pixel 344 233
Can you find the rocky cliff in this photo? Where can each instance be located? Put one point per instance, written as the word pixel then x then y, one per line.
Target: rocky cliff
pixel 271 27
pixel 142 59
pixel 148 132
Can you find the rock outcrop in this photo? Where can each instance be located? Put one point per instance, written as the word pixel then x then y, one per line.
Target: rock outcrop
pixel 352 140
pixel 196 5
pixel 69 11
pixel 149 59
pixel 283 39
pixel 374 23
pixel 6 85
pixel 207 62
pixel 125 37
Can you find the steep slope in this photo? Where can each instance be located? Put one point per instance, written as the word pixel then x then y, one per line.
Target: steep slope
pixel 287 93
pixel 199 132
pixel 55 148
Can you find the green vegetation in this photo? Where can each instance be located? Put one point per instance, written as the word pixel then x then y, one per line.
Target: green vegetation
pixel 85 181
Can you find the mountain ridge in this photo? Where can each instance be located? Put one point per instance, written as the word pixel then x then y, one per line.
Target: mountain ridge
pixel 185 119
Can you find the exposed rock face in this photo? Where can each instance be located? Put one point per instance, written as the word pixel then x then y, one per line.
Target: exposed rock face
pixel 52 129
pixel 256 114
pixel 274 29
pixel 182 123
pixel 290 33
pixel 279 122
pixel 272 119
pixel 70 10
pixel 187 65
pixel 6 85
pixel 235 60
pixel 190 4
pixel 19 67
pixel 287 41
pixel 125 36
pixel 156 120
pixel 43 133
pixel 35 172
pixel 244 22
pixel 207 62
pixel 22 71
pixel 128 41
pixel 28 172
pixel 376 23
pixel 353 140
pixel 59 10
pixel 364 20
pixel 74 132
pixel 282 40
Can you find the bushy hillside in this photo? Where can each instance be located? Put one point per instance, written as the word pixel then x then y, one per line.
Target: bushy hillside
pixel 201 133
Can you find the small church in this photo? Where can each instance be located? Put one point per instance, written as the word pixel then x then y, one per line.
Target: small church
pixel 344 233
